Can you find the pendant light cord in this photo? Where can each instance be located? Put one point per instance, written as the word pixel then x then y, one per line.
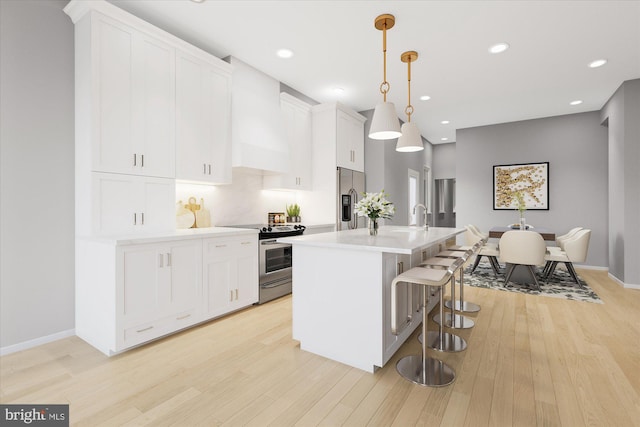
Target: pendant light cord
pixel 384 86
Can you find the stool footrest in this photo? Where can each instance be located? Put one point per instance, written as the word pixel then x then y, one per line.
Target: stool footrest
pixel 427 372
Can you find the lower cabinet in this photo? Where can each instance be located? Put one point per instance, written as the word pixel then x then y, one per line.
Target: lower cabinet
pixel 230 274
pixel 159 289
pixel 129 293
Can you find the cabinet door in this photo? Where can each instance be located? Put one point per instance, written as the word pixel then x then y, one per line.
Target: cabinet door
pixel 184 290
pixel 154 113
pixel 114 108
pixel 143 272
pixel 350 142
pixel 203 105
pixel 220 272
pixel 129 204
pixel 246 292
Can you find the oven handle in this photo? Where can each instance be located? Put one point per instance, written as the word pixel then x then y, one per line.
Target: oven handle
pixel 274 285
pixel 273 243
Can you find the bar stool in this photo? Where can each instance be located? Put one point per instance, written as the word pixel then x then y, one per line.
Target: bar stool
pixel 421 369
pixel 461 304
pixel 459 321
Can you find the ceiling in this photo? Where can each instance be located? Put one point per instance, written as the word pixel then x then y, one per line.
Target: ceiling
pixel 335 44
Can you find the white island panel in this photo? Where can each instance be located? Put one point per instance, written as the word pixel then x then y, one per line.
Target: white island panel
pixel 341 291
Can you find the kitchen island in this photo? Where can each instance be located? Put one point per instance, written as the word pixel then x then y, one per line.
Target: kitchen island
pixel 342 290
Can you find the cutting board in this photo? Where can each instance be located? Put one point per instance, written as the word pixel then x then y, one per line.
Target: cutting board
pixel 203 218
pixel 184 217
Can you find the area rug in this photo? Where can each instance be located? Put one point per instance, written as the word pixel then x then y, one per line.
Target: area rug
pixel 561 285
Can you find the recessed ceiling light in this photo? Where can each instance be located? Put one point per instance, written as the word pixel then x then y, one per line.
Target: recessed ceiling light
pixel 576 102
pixel 445 122
pixel 338 90
pixel 284 53
pixel 444 139
pixel 597 63
pixel 425 98
pixel 499 47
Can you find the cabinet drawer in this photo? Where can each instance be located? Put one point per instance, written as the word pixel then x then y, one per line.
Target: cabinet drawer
pixel 144 332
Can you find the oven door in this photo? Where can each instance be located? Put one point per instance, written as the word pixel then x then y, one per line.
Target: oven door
pixel 275 261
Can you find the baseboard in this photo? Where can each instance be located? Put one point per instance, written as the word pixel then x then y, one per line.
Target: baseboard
pixel 25 345
pixel 624 285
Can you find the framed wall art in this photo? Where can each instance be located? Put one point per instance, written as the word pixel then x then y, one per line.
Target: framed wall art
pixel 530 179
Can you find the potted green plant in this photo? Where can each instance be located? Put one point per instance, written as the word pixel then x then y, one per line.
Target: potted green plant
pixel 293 213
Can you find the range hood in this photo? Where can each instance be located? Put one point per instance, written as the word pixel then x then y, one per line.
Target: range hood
pixel 257 126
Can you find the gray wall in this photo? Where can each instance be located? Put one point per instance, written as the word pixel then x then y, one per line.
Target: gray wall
pixel 387 169
pixel 621 114
pixel 576 148
pixel 36 171
pixel 444 165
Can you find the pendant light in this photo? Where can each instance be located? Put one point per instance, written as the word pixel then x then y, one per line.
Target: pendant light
pixel 410 139
pixel 385 123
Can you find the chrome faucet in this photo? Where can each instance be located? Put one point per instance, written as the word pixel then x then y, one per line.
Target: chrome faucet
pixel 426 225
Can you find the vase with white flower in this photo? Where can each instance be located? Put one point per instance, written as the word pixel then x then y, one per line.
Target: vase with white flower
pixel 521 206
pixel 374 206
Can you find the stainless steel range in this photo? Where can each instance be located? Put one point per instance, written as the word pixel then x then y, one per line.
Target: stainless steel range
pixel 275 260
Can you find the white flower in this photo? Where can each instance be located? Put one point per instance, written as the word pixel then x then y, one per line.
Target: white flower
pixel 375 205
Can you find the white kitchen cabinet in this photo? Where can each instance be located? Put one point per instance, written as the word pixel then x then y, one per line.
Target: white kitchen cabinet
pixel 297 123
pixel 349 140
pixel 203 122
pixel 230 274
pixel 131 204
pixel 130 78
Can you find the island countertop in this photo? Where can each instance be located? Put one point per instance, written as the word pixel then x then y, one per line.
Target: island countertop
pixel 390 239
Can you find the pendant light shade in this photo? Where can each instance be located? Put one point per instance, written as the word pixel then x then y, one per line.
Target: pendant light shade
pixel 410 139
pixel 385 123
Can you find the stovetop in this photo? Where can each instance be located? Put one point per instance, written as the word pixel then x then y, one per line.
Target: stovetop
pixel 273 231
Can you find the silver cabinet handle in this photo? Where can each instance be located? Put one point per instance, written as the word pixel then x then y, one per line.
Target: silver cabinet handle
pixel 236 294
pixel 168 259
pixel 142 160
pixel 204 168
pixel 209 169
pixel 245 243
pixel 160 261
pixel 230 295
pixel 221 246
pixel 142 215
pixel 183 317
pixel 135 218
pixel 135 159
pixel 144 329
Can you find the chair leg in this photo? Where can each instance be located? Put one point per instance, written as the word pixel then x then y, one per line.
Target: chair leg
pixel 535 279
pixel 510 268
pixel 573 273
pixel 495 265
pixel 475 264
pixel 545 270
pixel 554 264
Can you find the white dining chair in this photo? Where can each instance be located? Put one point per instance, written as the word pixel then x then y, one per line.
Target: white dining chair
pixel 575 250
pixel 489 250
pixel 520 247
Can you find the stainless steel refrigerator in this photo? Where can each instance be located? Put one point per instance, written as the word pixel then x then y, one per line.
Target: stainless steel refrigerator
pixel 350 188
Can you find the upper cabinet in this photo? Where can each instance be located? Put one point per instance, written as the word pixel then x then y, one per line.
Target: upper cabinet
pixel 203 124
pixel 341 130
pixel 297 124
pixel 127 81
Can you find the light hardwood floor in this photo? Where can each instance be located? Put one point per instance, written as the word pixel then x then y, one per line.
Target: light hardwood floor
pixel 531 361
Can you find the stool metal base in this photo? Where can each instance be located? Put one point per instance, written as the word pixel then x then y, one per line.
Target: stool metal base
pixel 431 372
pixel 466 307
pixel 451 343
pixel 460 322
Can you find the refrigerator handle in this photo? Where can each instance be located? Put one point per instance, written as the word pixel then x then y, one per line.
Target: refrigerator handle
pixel 354 216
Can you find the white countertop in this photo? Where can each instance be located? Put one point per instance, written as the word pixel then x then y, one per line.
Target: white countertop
pixel 190 233
pixel 391 239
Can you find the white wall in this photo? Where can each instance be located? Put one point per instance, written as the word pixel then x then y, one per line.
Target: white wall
pixel 36 172
pixel 444 165
pixel 622 116
pixel 576 148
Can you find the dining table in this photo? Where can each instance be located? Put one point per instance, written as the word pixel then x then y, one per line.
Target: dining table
pixel 497 232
